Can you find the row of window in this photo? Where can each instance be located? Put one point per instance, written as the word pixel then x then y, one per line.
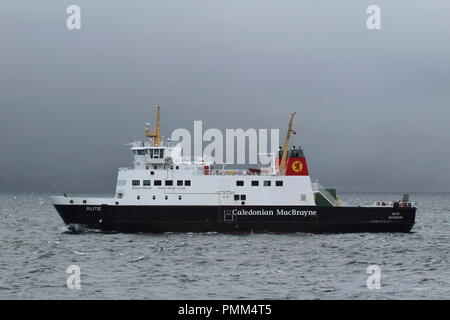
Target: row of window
pixel 239 183
pixel 154 198
pixel 236 197
pixel 255 183
pixel 147 183
pixel 153 153
pixel 156 168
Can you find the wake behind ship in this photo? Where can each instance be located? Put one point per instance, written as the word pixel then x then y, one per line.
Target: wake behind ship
pixel 166 192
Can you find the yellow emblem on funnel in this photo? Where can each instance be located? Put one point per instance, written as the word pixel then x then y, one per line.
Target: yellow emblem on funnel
pixel 297 166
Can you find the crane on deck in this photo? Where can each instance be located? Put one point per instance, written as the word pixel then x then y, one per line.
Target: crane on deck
pixel 282 168
pixel 155 135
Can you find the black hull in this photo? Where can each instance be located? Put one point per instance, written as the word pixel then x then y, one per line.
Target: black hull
pixel 231 219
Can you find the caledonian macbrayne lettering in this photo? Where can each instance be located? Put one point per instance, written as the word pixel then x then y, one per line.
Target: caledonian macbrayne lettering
pixel 278 212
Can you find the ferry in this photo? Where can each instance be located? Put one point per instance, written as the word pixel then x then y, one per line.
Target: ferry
pixel 167 192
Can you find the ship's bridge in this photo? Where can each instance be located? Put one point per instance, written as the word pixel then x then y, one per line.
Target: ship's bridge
pixel 146 153
pixel 166 153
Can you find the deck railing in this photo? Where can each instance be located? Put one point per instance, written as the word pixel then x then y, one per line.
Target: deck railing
pixel 317 187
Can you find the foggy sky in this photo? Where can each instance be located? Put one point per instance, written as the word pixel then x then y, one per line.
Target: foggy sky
pixel 373 107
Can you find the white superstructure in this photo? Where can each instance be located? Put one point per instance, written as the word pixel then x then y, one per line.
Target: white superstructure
pixel 161 176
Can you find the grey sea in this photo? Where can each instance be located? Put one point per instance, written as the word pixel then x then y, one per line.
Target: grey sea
pixel 36 251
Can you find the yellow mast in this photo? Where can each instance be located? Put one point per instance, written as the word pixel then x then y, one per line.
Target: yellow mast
pixel 286 146
pixel 156 137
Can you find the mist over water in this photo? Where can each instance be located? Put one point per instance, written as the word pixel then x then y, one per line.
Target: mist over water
pixel 372 106
pixel 36 252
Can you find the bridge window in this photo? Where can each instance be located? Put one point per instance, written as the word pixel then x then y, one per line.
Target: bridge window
pixel 146 183
pixel 156 153
pixel 169 183
pixel 240 183
pixel 267 183
pixel 157 183
pixel 255 183
pixel 279 183
pixel 141 152
pixel 136 183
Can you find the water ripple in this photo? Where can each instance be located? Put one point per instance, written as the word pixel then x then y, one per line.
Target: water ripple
pixel 37 249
